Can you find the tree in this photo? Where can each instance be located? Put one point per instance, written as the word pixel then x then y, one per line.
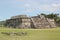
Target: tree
pixel 52 16
pixel 44 14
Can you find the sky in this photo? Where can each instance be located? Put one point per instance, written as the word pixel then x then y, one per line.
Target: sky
pixel 10 8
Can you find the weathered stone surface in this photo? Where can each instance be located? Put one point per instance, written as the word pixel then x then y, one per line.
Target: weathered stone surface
pixel 14 33
pixel 30 22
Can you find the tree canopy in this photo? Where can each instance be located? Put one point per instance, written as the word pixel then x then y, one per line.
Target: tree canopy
pixel 51 16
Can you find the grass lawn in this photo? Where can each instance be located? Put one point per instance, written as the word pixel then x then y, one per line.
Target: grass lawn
pixel 32 34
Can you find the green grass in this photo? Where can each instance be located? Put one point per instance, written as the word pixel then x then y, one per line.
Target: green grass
pixel 32 34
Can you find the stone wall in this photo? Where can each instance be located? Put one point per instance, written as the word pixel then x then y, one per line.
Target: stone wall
pixel 31 22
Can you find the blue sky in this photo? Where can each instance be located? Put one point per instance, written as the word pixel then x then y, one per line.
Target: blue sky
pixel 10 8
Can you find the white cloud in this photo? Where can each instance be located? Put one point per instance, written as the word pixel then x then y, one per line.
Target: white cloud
pixel 55 5
pixel 32 6
pixel 23 0
pixel 27 5
pixel 51 8
pixel 29 10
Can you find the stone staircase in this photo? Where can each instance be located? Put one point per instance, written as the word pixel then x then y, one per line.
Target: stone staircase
pixel 51 22
pixel 36 22
pixel 40 22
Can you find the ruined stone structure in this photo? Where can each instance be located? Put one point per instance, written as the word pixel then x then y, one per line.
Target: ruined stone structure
pixel 22 21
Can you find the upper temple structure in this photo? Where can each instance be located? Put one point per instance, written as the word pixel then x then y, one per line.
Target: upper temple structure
pixel 36 22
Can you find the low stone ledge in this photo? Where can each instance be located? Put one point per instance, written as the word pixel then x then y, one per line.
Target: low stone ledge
pixel 15 33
